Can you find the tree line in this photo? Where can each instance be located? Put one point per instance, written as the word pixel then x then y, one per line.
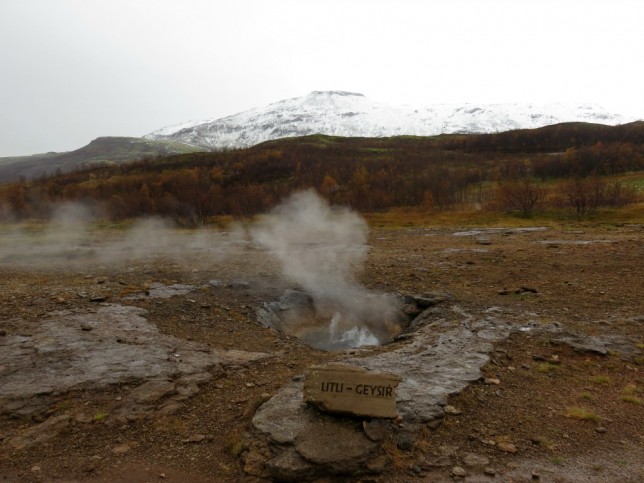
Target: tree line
pixel 507 171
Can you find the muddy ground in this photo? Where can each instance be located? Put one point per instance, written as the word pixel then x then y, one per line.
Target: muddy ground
pixel 547 412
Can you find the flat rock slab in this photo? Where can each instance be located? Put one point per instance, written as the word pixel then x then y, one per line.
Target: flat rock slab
pixel 440 360
pixel 114 344
pixel 352 391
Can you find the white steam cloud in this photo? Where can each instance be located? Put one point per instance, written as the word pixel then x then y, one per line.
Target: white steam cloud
pixel 320 248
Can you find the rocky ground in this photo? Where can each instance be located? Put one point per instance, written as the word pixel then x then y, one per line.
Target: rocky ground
pixel 153 370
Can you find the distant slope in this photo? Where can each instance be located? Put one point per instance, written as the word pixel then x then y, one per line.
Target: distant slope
pixel 338 113
pixel 103 150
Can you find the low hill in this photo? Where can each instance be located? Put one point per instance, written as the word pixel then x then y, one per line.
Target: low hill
pixel 101 151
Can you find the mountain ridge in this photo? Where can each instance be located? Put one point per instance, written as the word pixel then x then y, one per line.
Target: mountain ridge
pixel 344 113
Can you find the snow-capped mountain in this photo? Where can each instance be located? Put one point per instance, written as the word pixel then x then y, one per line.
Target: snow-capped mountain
pixel 342 113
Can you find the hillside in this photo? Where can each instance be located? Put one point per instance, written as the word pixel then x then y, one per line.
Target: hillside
pixel 101 151
pixel 368 174
pixel 339 113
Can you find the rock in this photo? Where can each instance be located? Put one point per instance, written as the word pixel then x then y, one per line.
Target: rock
pixel 489 471
pixel 506 447
pixel 600 429
pixel 378 464
pixel 98 298
pixel 405 440
pixel 351 390
pixel 335 446
pixel 121 449
pixel 583 344
pixel 290 466
pixel 194 438
pixel 152 391
pixel 281 417
pixel 483 241
pixel 376 429
pixel 35 469
pixel 452 410
pixel 491 381
pixel 40 433
pixel 170 408
pixel 416 470
pixel 80 349
pixel 473 460
pixel 458 471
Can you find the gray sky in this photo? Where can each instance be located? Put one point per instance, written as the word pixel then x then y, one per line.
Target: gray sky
pixel 73 70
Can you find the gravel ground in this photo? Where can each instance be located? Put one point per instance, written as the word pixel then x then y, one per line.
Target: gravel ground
pixel 528 426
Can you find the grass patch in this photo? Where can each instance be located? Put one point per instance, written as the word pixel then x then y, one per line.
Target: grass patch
pixel 630 394
pixel 582 414
pixel 547 367
pixel 544 442
pixel 603 380
pixel 587 396
pixel 100 416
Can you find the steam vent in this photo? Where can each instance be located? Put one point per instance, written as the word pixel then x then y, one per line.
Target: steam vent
pixel 368 319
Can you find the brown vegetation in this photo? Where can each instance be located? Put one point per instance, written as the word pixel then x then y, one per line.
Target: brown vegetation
pixel 564 165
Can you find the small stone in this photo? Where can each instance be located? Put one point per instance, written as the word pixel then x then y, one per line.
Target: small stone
pixel 161 475
pixel 375 429
pixel 491 380
pixel 98 298
pixel 121 449
pixel 458 471
pixel 600 429
pixel 35 468
pixel 489 471
pixel 507 447
pixel 452 410
pixel 416 470
pixel 483 241
pixel 195 438
pixel 473 460
pixel 535 474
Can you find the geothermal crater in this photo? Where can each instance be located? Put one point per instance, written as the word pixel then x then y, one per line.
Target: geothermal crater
pixel 367 319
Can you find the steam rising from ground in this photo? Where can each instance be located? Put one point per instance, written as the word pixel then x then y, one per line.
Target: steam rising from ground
pixel 319 248
pixel 72 239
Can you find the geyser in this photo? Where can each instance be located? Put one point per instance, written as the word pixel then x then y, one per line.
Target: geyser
pixel 319 248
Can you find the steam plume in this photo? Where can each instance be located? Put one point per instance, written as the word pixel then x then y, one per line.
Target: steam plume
pixel 319 248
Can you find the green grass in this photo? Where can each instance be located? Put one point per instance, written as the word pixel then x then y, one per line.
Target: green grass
pixel 630 394
pixel 582 414
pixel 603 380
pixel 547 367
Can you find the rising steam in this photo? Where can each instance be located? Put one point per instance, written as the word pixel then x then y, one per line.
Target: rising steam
pixel 319 248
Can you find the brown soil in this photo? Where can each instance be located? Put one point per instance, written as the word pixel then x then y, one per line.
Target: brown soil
pixel 591 288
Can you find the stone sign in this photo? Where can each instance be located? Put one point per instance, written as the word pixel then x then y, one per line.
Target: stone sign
pixel 351 390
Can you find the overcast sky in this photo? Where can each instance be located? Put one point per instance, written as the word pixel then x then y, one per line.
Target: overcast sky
pixel 73 70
